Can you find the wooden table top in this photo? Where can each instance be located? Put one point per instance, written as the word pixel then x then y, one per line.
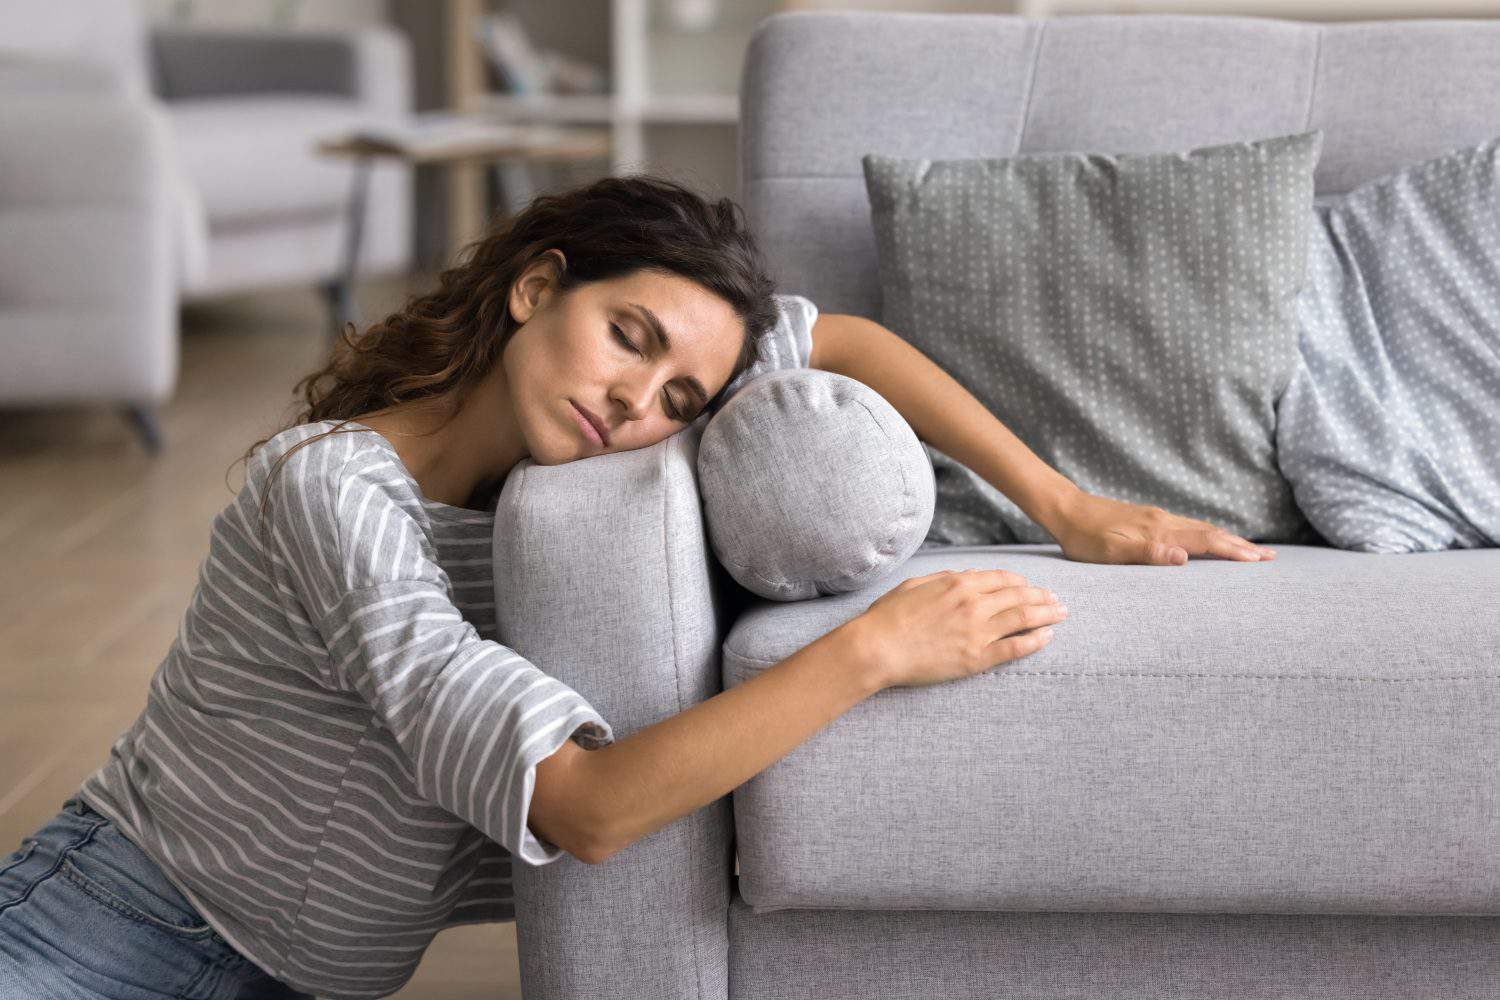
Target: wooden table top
pixel 555 143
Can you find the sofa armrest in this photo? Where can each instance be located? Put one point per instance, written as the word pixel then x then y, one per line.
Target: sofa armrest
pixel 370 65
pixel 88 304
pixel 604 578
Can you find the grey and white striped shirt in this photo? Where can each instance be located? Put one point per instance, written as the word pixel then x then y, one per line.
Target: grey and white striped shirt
pixel 336 758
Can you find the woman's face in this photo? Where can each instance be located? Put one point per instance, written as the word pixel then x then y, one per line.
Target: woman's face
pixel 568 352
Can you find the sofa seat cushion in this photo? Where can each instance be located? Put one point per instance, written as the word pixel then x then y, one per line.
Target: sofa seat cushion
pixel 254 159
pixel 1319 733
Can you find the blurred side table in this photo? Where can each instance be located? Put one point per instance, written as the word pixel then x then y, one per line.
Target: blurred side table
pixel 473 139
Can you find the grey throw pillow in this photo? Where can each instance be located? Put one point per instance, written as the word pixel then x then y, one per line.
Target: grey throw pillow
pixel 812 484
pixel 1390 429
pixel 1130 317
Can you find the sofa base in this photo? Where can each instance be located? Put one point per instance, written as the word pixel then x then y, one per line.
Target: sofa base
pixel 952 954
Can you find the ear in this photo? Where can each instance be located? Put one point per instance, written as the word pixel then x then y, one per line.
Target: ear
pixel 537 281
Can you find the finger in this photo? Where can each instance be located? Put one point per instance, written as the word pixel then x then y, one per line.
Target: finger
pixel 990 580
pixel 1011 647
pixel 1027 617
pixel 1011 597
pixel 1155 553
pixel 1248 545
pixel 1217 542
pixel 1265 553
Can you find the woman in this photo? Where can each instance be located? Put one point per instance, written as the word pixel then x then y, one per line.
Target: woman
pixel 336 759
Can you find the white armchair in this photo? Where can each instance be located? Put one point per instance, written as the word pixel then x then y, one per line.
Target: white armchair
pixel 247 108
pixel 140 168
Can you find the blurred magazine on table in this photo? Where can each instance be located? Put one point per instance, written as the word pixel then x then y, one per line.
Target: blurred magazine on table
pixel 449 131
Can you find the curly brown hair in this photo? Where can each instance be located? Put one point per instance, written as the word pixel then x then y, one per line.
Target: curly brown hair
pixel 439 345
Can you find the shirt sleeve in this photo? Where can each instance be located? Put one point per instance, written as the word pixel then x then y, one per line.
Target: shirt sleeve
pixel 473 716
pixel 787 345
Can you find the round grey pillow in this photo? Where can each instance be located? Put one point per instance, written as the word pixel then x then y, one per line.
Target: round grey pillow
pixel 812 484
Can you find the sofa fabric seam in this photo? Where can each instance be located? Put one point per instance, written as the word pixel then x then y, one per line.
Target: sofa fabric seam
pixel 1184 676
pixel 1312 89
pixel 1036 61
pixel 694 860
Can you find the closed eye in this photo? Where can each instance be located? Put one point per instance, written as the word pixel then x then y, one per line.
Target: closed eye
pixel 672 411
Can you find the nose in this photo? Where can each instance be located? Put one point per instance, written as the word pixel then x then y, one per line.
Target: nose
pixel 636 396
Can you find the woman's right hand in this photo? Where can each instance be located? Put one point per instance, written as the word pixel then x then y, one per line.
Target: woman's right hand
pixel 948 625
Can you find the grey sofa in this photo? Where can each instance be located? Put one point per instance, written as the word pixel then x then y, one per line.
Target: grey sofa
pixel 1222 779
pixel 146 166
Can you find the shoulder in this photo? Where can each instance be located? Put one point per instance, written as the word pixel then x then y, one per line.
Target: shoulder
pixel 807 337
pixel 347 493
pixel 314 477
pixel 310 460
pixel 789 343
pixel 795 309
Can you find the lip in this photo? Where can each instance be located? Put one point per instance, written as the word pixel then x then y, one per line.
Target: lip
pixel 593 424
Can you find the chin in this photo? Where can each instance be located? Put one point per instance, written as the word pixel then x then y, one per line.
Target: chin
pixel 555 455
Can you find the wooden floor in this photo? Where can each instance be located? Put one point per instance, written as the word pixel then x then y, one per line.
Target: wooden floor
pixel 102 544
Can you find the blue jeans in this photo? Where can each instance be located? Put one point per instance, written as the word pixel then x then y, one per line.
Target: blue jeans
pixel 85 914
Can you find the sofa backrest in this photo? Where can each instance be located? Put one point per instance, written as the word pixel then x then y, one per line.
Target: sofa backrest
pixel 110 33
pixel 1385 93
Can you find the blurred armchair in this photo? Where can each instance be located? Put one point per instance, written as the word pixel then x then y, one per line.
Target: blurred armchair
pixel 141 168
pixel 247 108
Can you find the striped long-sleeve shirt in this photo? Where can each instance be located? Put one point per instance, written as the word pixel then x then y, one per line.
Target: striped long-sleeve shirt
pixel 337 756
pixel 335 762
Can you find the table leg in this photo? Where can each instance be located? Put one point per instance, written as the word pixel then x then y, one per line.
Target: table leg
pixel 340 291
pixel 516 190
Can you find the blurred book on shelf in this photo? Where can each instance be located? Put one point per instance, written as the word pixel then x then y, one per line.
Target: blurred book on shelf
pixel 525 69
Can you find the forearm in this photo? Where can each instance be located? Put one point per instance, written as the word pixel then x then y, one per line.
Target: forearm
pixel 946 415
pixel 661 773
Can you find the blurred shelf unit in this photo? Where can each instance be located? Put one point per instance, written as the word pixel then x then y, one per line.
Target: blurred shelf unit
pixel 673 62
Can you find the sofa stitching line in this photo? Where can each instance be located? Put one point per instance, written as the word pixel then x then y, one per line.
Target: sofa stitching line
pixel 1036 60
pixel 1312 90
pixel 1268 677
pixel 693 858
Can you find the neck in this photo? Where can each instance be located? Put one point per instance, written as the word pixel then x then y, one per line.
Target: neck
pixel 465 460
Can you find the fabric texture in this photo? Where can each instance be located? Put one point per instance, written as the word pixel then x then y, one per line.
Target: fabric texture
pixel 621 598
pixel 1064 952
pixel 1215 737
pixel 1130 317
pixel 812 484
pixel 336 759
pixel 1389 431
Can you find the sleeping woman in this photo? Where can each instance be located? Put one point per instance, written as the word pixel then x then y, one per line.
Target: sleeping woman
pixel 337 759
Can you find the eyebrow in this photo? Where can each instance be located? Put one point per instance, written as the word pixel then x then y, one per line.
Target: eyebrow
pixel 666 345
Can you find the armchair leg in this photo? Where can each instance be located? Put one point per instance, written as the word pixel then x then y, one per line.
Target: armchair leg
pixel 145 424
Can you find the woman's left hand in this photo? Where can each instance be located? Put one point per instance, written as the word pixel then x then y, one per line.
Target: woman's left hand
pixel 1097 529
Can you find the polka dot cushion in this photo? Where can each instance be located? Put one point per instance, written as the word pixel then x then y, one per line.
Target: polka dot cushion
pixel 1130 317
pixel 1390 428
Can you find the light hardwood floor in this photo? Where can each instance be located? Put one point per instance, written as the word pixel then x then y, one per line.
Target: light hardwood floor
pixel 102 544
